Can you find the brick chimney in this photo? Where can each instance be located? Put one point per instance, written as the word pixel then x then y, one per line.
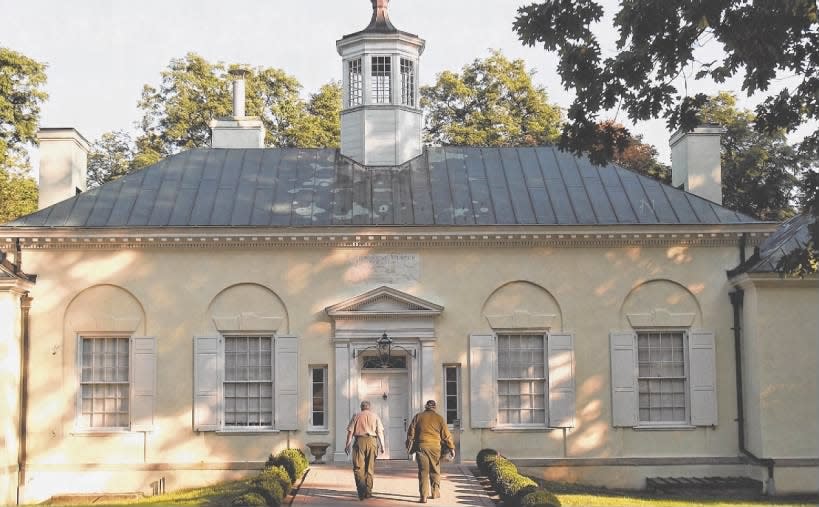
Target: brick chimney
pixel 237 131
pixel 695 161
pixel 63 164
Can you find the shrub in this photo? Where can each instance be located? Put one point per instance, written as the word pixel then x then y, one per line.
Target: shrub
pixel 294 461
pixel 269 487
pixel 515 487
pixel 483 459
pixel 540 498
pixel 280 474
pixel 249 499
pixel 500 468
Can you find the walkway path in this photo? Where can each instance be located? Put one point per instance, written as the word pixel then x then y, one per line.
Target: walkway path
pixel 396 483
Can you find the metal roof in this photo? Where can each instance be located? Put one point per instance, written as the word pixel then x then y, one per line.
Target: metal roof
pixel 320 187
pixel 792 235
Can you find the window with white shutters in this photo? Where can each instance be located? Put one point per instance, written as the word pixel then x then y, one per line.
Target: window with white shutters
pixel 521 380
pixel 248 385
pixel 117 383
pixel 104 382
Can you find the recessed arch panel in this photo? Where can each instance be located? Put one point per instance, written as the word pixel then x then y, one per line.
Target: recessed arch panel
pixel 522 305
pixel 660 303
pixel 248 307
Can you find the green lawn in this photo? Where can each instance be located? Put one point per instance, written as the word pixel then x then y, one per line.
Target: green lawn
pixel 218 495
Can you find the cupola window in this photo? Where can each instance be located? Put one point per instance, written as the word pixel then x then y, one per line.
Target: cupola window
pixel 356 95
pixel 407 82
pixel 381 79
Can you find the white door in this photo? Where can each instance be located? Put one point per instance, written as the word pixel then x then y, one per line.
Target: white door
pixel 388 395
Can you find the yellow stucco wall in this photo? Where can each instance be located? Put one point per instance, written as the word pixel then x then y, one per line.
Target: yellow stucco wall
pixel 782 337
pixel 173 292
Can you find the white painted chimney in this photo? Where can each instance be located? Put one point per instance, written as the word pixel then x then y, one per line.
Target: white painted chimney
pixel 695 161
pixel 238 131
pixel 63 164
pixel 381 113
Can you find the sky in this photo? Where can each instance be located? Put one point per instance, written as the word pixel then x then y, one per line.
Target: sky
pixel 100 53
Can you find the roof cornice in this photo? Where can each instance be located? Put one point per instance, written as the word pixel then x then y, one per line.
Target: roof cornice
pixel 388 236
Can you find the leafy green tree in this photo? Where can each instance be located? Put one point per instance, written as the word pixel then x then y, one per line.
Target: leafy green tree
pixel 758 168
pixel 491 102
pixel 320 124
pixel 111 157
pixel 636 155
pixel 194 91
pixel 21 93
pixel 760 40
pixel 18 195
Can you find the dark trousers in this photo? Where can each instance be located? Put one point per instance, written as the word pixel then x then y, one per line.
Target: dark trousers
pixel 365 450
pixel 429 469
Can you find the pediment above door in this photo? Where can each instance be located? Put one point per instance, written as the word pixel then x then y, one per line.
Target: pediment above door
pixel 383 310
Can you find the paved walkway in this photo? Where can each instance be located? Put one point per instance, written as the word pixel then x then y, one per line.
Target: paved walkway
pixel 396 483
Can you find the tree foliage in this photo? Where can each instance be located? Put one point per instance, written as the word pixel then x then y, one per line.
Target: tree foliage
pixel 18 195
pixel 21 93
pixel 759 169
pixel 761 40
pixel 636 155
pixel 658 42
pixel 111 157
pixel 194 91
pixel 491 102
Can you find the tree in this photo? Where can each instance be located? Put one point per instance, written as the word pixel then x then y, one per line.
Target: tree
pixel 194 91
pixel 637 155
pixel 492 102
pixel 320 124
pixel 18 195
pixel 760 39
pixel 21 93
pixel 758 168
pixel 111 157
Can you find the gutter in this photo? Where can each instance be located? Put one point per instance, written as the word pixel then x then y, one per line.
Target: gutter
pixel 25 307
pixel 737 297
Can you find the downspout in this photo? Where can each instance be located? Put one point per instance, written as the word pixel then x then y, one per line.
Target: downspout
pixel 25 307
pixel 737 298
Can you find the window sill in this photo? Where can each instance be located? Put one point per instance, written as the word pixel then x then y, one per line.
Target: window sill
pixel 521 429
pixel 665 427
pixel 246 431
pixel 318 431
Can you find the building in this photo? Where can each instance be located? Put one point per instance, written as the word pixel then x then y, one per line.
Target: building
pixel 181 323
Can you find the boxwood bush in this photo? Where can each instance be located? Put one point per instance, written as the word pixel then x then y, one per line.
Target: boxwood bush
pixel 540 498
pixel 280 474
pixel 292 460
pixel 249 499
pixel 268 486
pixel 515 489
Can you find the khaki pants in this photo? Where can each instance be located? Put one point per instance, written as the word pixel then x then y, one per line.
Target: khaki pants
pixel 365 449
pixel 429 469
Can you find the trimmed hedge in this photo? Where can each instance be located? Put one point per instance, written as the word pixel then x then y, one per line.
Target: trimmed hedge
pixel 269 487
pixel 249 499
pixel 485 456
pixel 540 498
pixel 280 474
pixel 515 489
pixel 292 460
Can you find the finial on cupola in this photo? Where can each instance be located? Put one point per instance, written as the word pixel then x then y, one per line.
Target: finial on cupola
pixel 381 20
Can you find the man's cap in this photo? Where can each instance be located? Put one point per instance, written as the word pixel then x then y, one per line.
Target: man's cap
pixel 431 404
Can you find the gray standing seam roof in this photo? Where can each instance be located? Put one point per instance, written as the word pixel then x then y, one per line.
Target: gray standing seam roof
pixel 320 187
pixel 792 235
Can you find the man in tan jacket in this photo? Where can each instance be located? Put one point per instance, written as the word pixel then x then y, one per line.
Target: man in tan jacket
pixel 427 434
pixel 368 431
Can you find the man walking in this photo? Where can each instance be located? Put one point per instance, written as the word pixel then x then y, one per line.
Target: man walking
pixel 426 435
pixel 368 431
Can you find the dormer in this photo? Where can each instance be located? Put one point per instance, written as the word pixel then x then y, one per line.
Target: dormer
pixel 381 115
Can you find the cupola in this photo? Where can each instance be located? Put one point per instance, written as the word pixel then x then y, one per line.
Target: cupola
pixel 381 114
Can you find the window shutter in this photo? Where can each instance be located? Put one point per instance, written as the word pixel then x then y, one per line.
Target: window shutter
pixel 624 395
pixel 703 375
pixel 482 409
pixel 286 386
pixel 143 383
pixel 207 382
pixel 561 380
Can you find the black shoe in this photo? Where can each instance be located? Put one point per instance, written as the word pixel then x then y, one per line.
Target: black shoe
pixel 423 500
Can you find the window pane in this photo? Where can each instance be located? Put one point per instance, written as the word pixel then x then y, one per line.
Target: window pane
pixel 104 377
pixel 319 395
pixel 407 82
pixel 661 376
pixel 355 82
pixel 381 79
